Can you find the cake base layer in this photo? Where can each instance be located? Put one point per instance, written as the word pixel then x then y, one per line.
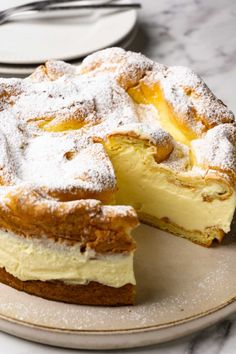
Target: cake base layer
pixel 91 294
pixel 201 238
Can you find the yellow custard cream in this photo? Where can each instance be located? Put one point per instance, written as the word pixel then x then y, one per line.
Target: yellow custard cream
pixel 147 188
pixel 32 259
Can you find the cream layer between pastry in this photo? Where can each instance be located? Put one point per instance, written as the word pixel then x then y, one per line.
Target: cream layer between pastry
pixel 43 259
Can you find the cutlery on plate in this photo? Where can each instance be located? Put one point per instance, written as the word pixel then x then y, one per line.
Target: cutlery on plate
pixel 51 6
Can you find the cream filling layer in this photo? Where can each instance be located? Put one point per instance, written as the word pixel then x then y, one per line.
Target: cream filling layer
pixel 43 259
pixel 143 185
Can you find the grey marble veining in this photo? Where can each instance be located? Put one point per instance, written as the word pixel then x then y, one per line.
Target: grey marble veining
pixel 200 34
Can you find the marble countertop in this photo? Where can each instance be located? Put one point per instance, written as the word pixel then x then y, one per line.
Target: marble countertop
pixel 199 34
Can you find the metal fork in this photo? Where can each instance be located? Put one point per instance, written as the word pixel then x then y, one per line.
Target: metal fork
pixel 49 5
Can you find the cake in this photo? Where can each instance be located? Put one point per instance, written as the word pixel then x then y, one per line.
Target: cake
pixel 87 151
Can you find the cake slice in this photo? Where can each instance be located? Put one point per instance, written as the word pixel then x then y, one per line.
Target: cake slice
pixel 77 252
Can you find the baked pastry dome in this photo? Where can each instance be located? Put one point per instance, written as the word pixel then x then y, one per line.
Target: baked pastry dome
pixel 83 149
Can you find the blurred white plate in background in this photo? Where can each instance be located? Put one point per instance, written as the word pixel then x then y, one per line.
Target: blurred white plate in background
pixel 34 41
pixel 19 70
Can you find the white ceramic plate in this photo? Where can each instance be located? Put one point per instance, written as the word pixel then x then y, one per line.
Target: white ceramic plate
pixel 181 288
pixel 10 70
pixel 31 42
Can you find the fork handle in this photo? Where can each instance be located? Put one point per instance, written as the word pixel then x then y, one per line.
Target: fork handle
pixel 92 6
pixel 41 6
pixel 36 5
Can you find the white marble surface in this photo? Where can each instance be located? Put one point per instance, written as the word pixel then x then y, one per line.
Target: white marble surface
pixel 200 34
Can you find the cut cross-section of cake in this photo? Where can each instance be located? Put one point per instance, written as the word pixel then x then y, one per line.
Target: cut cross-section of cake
pixel 83 149
pixel 176 165
pixel 78 251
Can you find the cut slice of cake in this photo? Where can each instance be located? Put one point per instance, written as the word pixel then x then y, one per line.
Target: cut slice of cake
pixel 78 251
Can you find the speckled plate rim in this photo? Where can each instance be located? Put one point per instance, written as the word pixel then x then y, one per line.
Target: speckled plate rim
pixel 204 314
pixel 106 340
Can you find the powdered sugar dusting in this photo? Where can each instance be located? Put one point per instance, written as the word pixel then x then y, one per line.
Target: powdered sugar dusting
pixel 179 160
pixel 217 148
pixel 190 98
pixel 48 129
pixel 53 123
pixel 127 67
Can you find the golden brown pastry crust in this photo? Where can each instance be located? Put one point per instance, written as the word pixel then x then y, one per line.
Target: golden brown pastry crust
pixel 88 222
pixel 91 294
pixel 163 147
pixel 201 238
